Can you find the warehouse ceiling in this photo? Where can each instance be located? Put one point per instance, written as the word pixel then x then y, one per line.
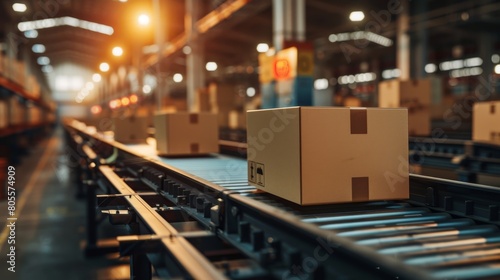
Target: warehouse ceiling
pixel 232 42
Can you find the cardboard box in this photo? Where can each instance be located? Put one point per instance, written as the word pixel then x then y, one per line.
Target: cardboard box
pixel 130 130
pixel 185 133
pixel 414 95
pixel 486 121
pixel 320 155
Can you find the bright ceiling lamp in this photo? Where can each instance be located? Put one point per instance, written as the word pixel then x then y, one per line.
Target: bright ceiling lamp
pixel 65 21
pixel 96 77
pixel 19 7
pixel 38 48
pixel 357 16
pixel 43 60
pixel 143 20
pixel 117 51
pixel 104 67
pixel 211 66
pixel 262 47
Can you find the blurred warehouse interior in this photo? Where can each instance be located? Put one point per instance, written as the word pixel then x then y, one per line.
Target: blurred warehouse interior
pixel 204 55
pixel 89 67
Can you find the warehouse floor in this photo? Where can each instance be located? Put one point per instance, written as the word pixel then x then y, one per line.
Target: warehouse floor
pixel 50 229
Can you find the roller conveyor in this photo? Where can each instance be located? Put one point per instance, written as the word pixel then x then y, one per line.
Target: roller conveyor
pixel 446 230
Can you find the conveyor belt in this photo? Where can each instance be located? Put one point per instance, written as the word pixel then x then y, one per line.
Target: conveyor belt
pixel 447 230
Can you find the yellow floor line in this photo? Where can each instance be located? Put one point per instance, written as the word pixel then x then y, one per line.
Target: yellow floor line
pixel 28 188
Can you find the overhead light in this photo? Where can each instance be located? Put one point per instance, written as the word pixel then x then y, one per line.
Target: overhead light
pixel 262 47
pixel 133 99
pixel 211 66
pixel 125 101
pixel 104 67
pixel 250 92
pixel 357 16
pixel 357 78
pixel 177 78
pixel 495 58
pixel 146 89
pixel 69 21
pixel 19 7
pixel 391 73
pixel 460 64
pixel 96 78
pixel 430 68
pixel 43 60
pixel 321 84
pixel 117 51
pixel 89 86
pixel 47 69
pixel 497 69
pixel 186 50
pixel 38 48
pixel 96 109
pixel 143 19
pixel 466 72
pixel 360 35
pixel 31 34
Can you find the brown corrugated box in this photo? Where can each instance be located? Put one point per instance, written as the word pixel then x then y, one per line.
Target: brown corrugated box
pixel 320 155
pixel 414 95
pixel 131 129
pixel 184 133
pixel 486 121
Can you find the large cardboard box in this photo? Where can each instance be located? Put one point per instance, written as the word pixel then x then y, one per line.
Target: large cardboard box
pixel 184 133
pixel 486 121
pixel 414 95
pixel 320 155
pixel 131 129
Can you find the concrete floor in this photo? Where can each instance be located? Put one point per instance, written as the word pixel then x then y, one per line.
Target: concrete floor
pixel 50 229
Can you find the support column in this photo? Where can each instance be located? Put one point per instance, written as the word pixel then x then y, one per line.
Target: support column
pixel 420 42
pixel 160 41
pixel 195 70
pixel 403 42
pixel 278 24
pixel 300 20
pixel 486 49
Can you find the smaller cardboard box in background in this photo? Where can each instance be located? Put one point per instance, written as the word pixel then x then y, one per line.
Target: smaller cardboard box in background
pixel 414 95
pixel 130 130
pixel 486 121
pixel 321 155
pixel 184 133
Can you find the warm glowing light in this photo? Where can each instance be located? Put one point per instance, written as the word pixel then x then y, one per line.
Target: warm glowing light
pixel 211 66
pixel 19 7
pixel 104 67
pixel 89 86
pixel 262 47
pixel 96 109
pixel 143 19
pixel 177 78
pixel 133 99
pixel 117 51
pixel 146 89
pixel 118 103
pixel 125 101
pixel 497 69
pixel 357 16
pixel 96 78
